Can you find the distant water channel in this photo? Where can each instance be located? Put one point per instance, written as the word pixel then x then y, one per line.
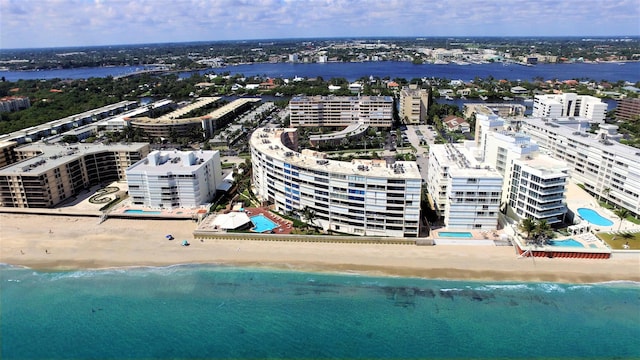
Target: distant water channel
pixel 393 69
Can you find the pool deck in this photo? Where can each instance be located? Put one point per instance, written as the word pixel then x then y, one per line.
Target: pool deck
pixel 579 198
pixel 593 248
pixel 283 226
pixel 179 213
pixel 478 237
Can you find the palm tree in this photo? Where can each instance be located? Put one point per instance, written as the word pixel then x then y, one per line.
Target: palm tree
pixel 543 229
pixel 622 214
pixel 528 226
pixel 605 193
pixel 309 215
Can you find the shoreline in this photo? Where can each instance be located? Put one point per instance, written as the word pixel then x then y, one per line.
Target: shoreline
pixel 60 243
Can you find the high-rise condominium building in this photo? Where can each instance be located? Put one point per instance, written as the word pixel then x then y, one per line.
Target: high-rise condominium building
pixel 360 197
pixel 413 105
pixel 534 183
pixel 47 174
pixel 463 191
pixel 607 169
pixel 628 109
pixel 175 179
pixel 569 105
pixel 341 111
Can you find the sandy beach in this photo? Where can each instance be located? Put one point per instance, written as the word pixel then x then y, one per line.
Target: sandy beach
pixel 65 243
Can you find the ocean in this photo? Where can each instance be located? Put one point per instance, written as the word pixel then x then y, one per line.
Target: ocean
pixel 613 72
pixel 212 311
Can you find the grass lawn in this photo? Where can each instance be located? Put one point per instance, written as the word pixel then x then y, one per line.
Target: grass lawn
pixel 621 239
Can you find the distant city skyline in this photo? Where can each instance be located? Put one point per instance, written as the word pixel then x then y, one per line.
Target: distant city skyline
pixel 61 23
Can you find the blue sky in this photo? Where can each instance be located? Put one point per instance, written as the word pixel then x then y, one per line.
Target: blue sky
pixel 51 23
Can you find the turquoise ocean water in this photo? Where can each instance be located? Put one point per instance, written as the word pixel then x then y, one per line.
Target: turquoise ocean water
pixel 225 312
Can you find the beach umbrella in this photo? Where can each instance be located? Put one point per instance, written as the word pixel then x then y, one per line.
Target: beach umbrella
pixel 169 236
pixel 185 243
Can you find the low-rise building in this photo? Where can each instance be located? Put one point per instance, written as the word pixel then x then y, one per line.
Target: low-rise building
pixel 454 123
pixel 167 127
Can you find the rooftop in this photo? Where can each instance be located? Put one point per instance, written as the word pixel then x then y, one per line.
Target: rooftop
pixel 53 155
pixel 586 139
pixel 268 141
pixel 164 162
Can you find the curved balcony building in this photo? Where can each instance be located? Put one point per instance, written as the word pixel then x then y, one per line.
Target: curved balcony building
pixel 361 197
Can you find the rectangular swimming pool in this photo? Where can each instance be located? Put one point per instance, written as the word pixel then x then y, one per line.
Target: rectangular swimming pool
pixel 142 212
pixel 566 242
pixel 455 234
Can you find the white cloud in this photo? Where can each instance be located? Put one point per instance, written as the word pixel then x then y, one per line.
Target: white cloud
pixel 34 23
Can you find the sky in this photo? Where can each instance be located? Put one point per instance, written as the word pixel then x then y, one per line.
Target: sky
pixel 58 23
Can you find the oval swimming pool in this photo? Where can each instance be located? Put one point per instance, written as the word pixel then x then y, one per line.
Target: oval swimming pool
pixel 593 217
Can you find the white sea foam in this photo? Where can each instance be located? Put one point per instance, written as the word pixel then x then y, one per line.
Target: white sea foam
pixel 493 287
pixel 451 289
pixel 549 287
pixel 580 287
pixel 621 283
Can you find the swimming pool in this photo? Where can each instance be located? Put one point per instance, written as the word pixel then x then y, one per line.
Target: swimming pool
pixel 455 234
pixel 261 223
pixel 566 242
pixel 143 212
pixel 593 217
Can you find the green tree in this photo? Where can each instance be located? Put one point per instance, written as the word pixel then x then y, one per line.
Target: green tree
pixel 528 226
pixel 543 230
pixel 309 215
pixel 621 213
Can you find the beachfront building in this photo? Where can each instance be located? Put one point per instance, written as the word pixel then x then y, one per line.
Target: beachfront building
pixel 465 192
pixel 14 103
pixel 47 174
pixel 569 105
pixel 175 179
pixel 360 197
pixel 607 169
pixel 413 105
pixel 341 111
pixel 534 183
pixel 7 155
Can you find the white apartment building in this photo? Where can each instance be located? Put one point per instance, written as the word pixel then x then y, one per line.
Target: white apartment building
pixel 569 105
pixel 534 183
pixel 465 192
pixel 175 179
pixel 340 111
pixel 607 169
pixel 361 197
pixel 413 105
